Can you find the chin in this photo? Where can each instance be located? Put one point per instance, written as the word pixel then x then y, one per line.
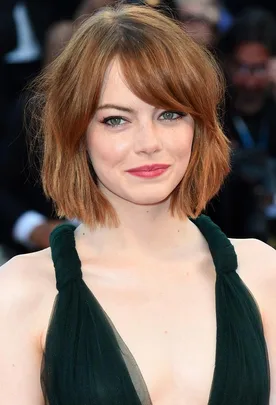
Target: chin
pixel 148 198
pixel 150 194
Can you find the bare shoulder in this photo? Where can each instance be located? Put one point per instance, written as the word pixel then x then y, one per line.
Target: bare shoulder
pixel 253 248
pixel 256 260
pixel 257 268
pixel 27 283
pixel 28 270
pixel 26 299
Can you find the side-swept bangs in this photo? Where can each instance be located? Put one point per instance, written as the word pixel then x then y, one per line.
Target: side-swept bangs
pixel 164 68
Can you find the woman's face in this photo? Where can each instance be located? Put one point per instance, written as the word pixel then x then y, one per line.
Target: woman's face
pixel 126 133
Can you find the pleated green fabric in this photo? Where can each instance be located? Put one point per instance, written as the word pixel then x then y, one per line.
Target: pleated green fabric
pixel 241 374
pixel 86 362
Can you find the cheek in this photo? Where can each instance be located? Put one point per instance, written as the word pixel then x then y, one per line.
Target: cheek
pixel 238 80
pixel 263 83
pixel 180 144
pixel 107 150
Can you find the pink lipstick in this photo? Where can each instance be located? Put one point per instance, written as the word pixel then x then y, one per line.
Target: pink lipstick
pixel 149 171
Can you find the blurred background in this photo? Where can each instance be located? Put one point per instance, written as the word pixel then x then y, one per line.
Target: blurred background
pixel 242 36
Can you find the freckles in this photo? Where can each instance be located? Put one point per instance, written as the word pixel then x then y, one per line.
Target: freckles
pixel 182 147
pixel 180 141
pixel 109 150
pixel 121 146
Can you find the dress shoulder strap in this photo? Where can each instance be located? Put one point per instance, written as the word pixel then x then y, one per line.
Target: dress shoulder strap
pixel 222 250
pixel 241 374
pixel 64 255
pixel 83 362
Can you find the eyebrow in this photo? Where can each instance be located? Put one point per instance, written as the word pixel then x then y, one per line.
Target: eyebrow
pixel 116 107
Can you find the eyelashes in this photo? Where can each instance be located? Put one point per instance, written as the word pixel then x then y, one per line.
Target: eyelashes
pixel 115 120
pixel 178 113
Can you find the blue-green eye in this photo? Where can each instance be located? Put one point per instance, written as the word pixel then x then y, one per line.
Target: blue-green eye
pixel 117 121
pixel 172 115
pixel 114 121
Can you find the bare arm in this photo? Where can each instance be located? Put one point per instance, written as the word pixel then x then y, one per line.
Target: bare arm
pixel 257 268
pixel 20 351
pixel 269 313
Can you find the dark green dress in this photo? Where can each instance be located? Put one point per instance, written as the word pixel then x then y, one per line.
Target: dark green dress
pixel 86 362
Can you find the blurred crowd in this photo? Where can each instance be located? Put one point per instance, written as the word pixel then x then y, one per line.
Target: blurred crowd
pixel 241 35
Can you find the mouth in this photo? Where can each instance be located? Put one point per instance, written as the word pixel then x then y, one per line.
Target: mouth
pixel 149 171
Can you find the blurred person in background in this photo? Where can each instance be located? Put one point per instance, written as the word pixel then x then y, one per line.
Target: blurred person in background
pixel 27 217
pixel 25 22
pixel 122 310
pixel 42 29
pixel 246 51
pixel 60 32
pixel 7 43
pixel 200 19
pixel 28 22
pixel 235 7
pixel 23 26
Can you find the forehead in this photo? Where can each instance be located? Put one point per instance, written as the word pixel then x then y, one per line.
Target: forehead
pixel 114 81
pixel 251 53
pixel 116 89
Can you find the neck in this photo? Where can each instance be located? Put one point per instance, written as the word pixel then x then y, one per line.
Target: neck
pixel 142 228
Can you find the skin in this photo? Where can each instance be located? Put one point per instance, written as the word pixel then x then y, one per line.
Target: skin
pixel 153 275
pixel 250 87
pixel 60 32
pixel 202 31
pixel 199 19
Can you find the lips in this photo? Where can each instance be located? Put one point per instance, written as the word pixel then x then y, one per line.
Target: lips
pixel 149 171
pixel 149 168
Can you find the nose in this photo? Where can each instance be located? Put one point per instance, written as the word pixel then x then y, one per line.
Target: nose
pixel 251 82
pixel 148 139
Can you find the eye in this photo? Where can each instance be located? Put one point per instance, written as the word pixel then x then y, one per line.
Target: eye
pixel 243 69
pixel 114 121
pixel 172 115
pixel 260 70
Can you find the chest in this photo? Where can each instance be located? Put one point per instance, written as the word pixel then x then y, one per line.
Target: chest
pixel 167 330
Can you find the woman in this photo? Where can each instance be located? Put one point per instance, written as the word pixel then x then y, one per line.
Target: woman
pixel 149 301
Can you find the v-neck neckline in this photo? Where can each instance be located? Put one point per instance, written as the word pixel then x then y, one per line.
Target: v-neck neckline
pixel 223 263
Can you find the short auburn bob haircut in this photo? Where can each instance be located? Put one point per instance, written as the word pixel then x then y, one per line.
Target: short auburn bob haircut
pixel 163 67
